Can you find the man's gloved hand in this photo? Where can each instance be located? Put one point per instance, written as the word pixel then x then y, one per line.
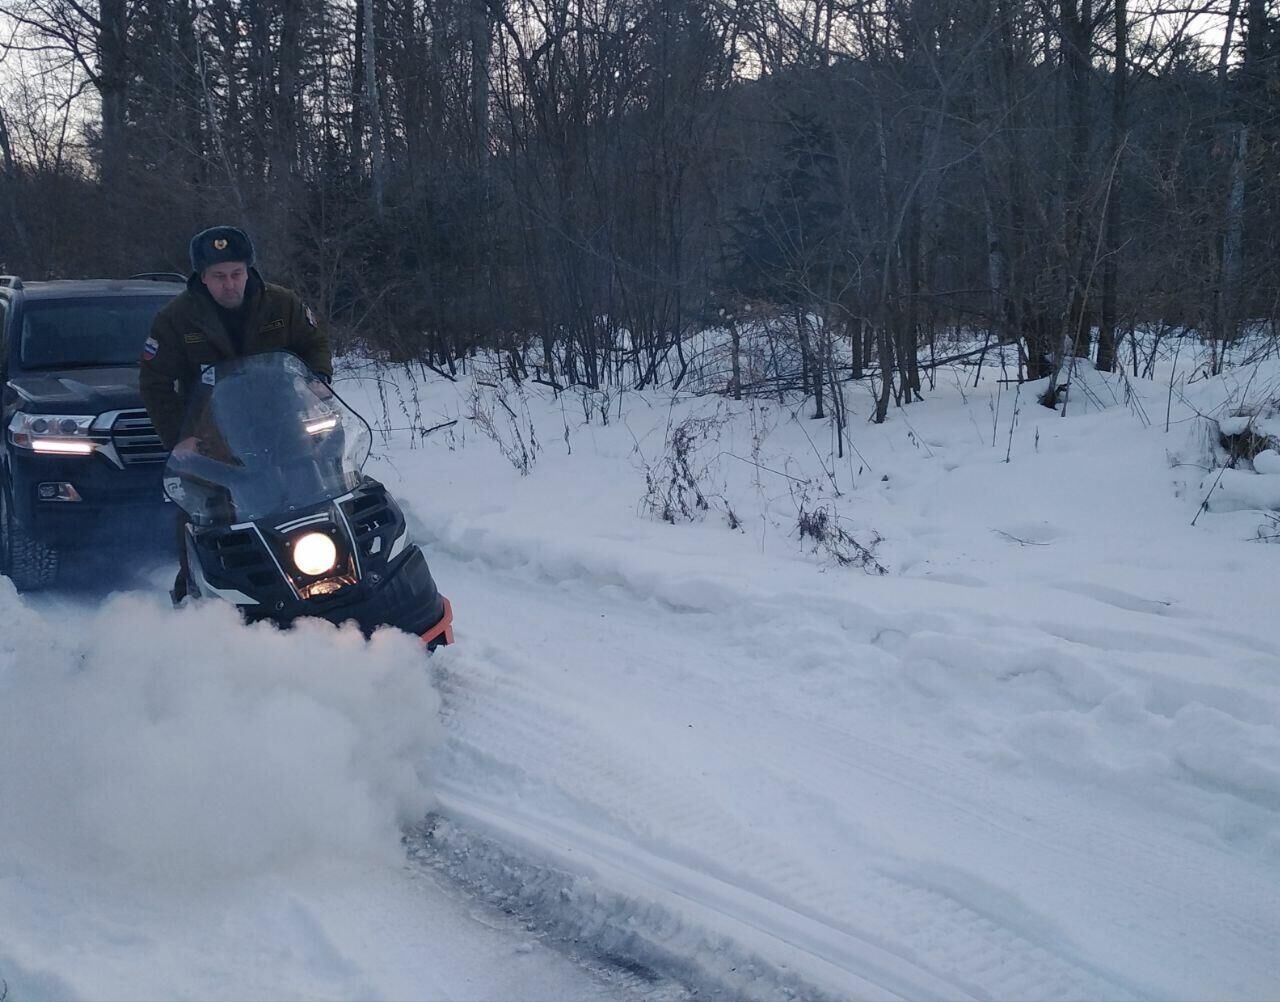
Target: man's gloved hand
pixel 188 446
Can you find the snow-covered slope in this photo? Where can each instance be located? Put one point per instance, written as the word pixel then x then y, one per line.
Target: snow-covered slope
pixel 1038 757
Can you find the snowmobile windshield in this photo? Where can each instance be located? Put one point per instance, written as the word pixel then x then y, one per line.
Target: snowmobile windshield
pixel 264 436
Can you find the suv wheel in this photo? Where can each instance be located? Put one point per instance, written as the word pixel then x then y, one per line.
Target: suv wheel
pixel 29 562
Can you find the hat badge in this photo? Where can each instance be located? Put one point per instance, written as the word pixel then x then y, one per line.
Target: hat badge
pixel 220 244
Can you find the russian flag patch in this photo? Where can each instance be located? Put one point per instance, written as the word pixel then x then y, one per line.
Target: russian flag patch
pixel 149 349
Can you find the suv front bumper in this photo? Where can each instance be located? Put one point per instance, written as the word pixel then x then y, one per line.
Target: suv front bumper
pixel 118 503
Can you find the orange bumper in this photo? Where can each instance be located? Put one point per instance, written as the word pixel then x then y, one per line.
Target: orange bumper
pixel 442 632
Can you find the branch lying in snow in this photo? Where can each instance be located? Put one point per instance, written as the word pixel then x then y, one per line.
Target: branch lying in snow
pixel 1018 539
pixel 420 432
pixel 761 466
pixel 1204 505
pixel 424 432
pixel 438 371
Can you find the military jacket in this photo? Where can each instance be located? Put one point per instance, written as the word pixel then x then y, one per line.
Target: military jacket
pixel 188 335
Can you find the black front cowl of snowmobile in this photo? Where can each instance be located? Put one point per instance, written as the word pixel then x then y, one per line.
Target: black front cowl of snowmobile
pixel 378 578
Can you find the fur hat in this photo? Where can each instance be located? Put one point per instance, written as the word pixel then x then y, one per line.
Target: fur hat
pixel 219 244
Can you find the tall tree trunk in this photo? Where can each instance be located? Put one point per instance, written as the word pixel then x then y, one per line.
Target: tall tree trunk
pixel 884 346
pixel 480 55
pixel 113 86
pixel 373 110
pixel 1079 69
pixel 20 246
pixel 811 349
pixel 190 110
pixel 261 79
pixel 411 67
pixel 1228 294
pixel 908 351
pixel 997 273
pixel 355 141
pixel 735 341
pixel 284 146
pixel 1224 52
pixel 1111 263
pixel 853 327
pixel 1076 33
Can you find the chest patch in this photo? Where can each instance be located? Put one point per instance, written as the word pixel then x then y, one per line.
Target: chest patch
pixel 275 325
pixel 195 337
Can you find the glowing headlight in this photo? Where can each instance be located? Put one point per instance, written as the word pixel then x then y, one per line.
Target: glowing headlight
pixel 314 553
pixel 58 446
pixel 67 434
pixel 322 425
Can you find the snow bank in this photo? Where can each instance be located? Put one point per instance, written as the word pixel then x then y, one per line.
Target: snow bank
pixel 141 739
pixel 1267 461
pixel 1239 490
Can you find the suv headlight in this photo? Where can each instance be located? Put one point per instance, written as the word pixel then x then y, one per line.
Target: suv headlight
pixel 65 434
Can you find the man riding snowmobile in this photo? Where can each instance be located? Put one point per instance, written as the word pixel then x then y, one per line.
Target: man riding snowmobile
pixel 227 311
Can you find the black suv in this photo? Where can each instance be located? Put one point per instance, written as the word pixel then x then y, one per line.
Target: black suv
pixel 80 461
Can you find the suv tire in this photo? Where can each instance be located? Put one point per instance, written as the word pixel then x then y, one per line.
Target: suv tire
pixel 29 562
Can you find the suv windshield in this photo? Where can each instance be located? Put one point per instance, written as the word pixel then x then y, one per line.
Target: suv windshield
pixel 71 333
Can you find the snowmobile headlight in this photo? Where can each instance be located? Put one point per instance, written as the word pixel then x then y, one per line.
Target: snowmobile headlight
pixel 314 553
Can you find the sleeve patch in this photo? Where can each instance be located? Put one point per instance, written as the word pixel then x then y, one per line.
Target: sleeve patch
pixel 149 349
pixel 311 317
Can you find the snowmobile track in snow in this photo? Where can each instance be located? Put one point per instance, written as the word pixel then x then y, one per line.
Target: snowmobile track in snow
pixel 566 793
pixel 614 875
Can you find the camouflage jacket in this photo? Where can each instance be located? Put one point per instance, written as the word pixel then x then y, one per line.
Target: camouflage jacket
pixel 188 335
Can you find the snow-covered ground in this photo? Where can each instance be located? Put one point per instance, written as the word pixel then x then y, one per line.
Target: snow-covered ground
pixel 1037 757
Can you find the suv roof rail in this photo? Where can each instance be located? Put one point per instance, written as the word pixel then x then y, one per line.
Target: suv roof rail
pixel 159 276
pixel 12 281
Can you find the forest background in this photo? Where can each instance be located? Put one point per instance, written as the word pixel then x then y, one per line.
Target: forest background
pixel 585 186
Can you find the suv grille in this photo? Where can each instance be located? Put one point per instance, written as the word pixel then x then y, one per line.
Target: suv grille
pixel 135 439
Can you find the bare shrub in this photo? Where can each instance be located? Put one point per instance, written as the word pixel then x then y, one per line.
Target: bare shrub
pixel 512 432
pixel 819 526
pixel 679 487
pixel 1242 435
pixel 595 403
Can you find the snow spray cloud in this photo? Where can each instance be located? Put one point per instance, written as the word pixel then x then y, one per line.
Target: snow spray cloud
pixel 139 738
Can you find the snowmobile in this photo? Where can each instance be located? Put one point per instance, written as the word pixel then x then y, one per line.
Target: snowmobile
pixel 281 520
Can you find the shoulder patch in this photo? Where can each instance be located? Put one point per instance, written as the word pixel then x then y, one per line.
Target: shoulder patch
pixel 149 349
pixel 311 317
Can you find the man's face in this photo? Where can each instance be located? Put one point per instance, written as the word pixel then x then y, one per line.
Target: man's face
pixel 226 283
